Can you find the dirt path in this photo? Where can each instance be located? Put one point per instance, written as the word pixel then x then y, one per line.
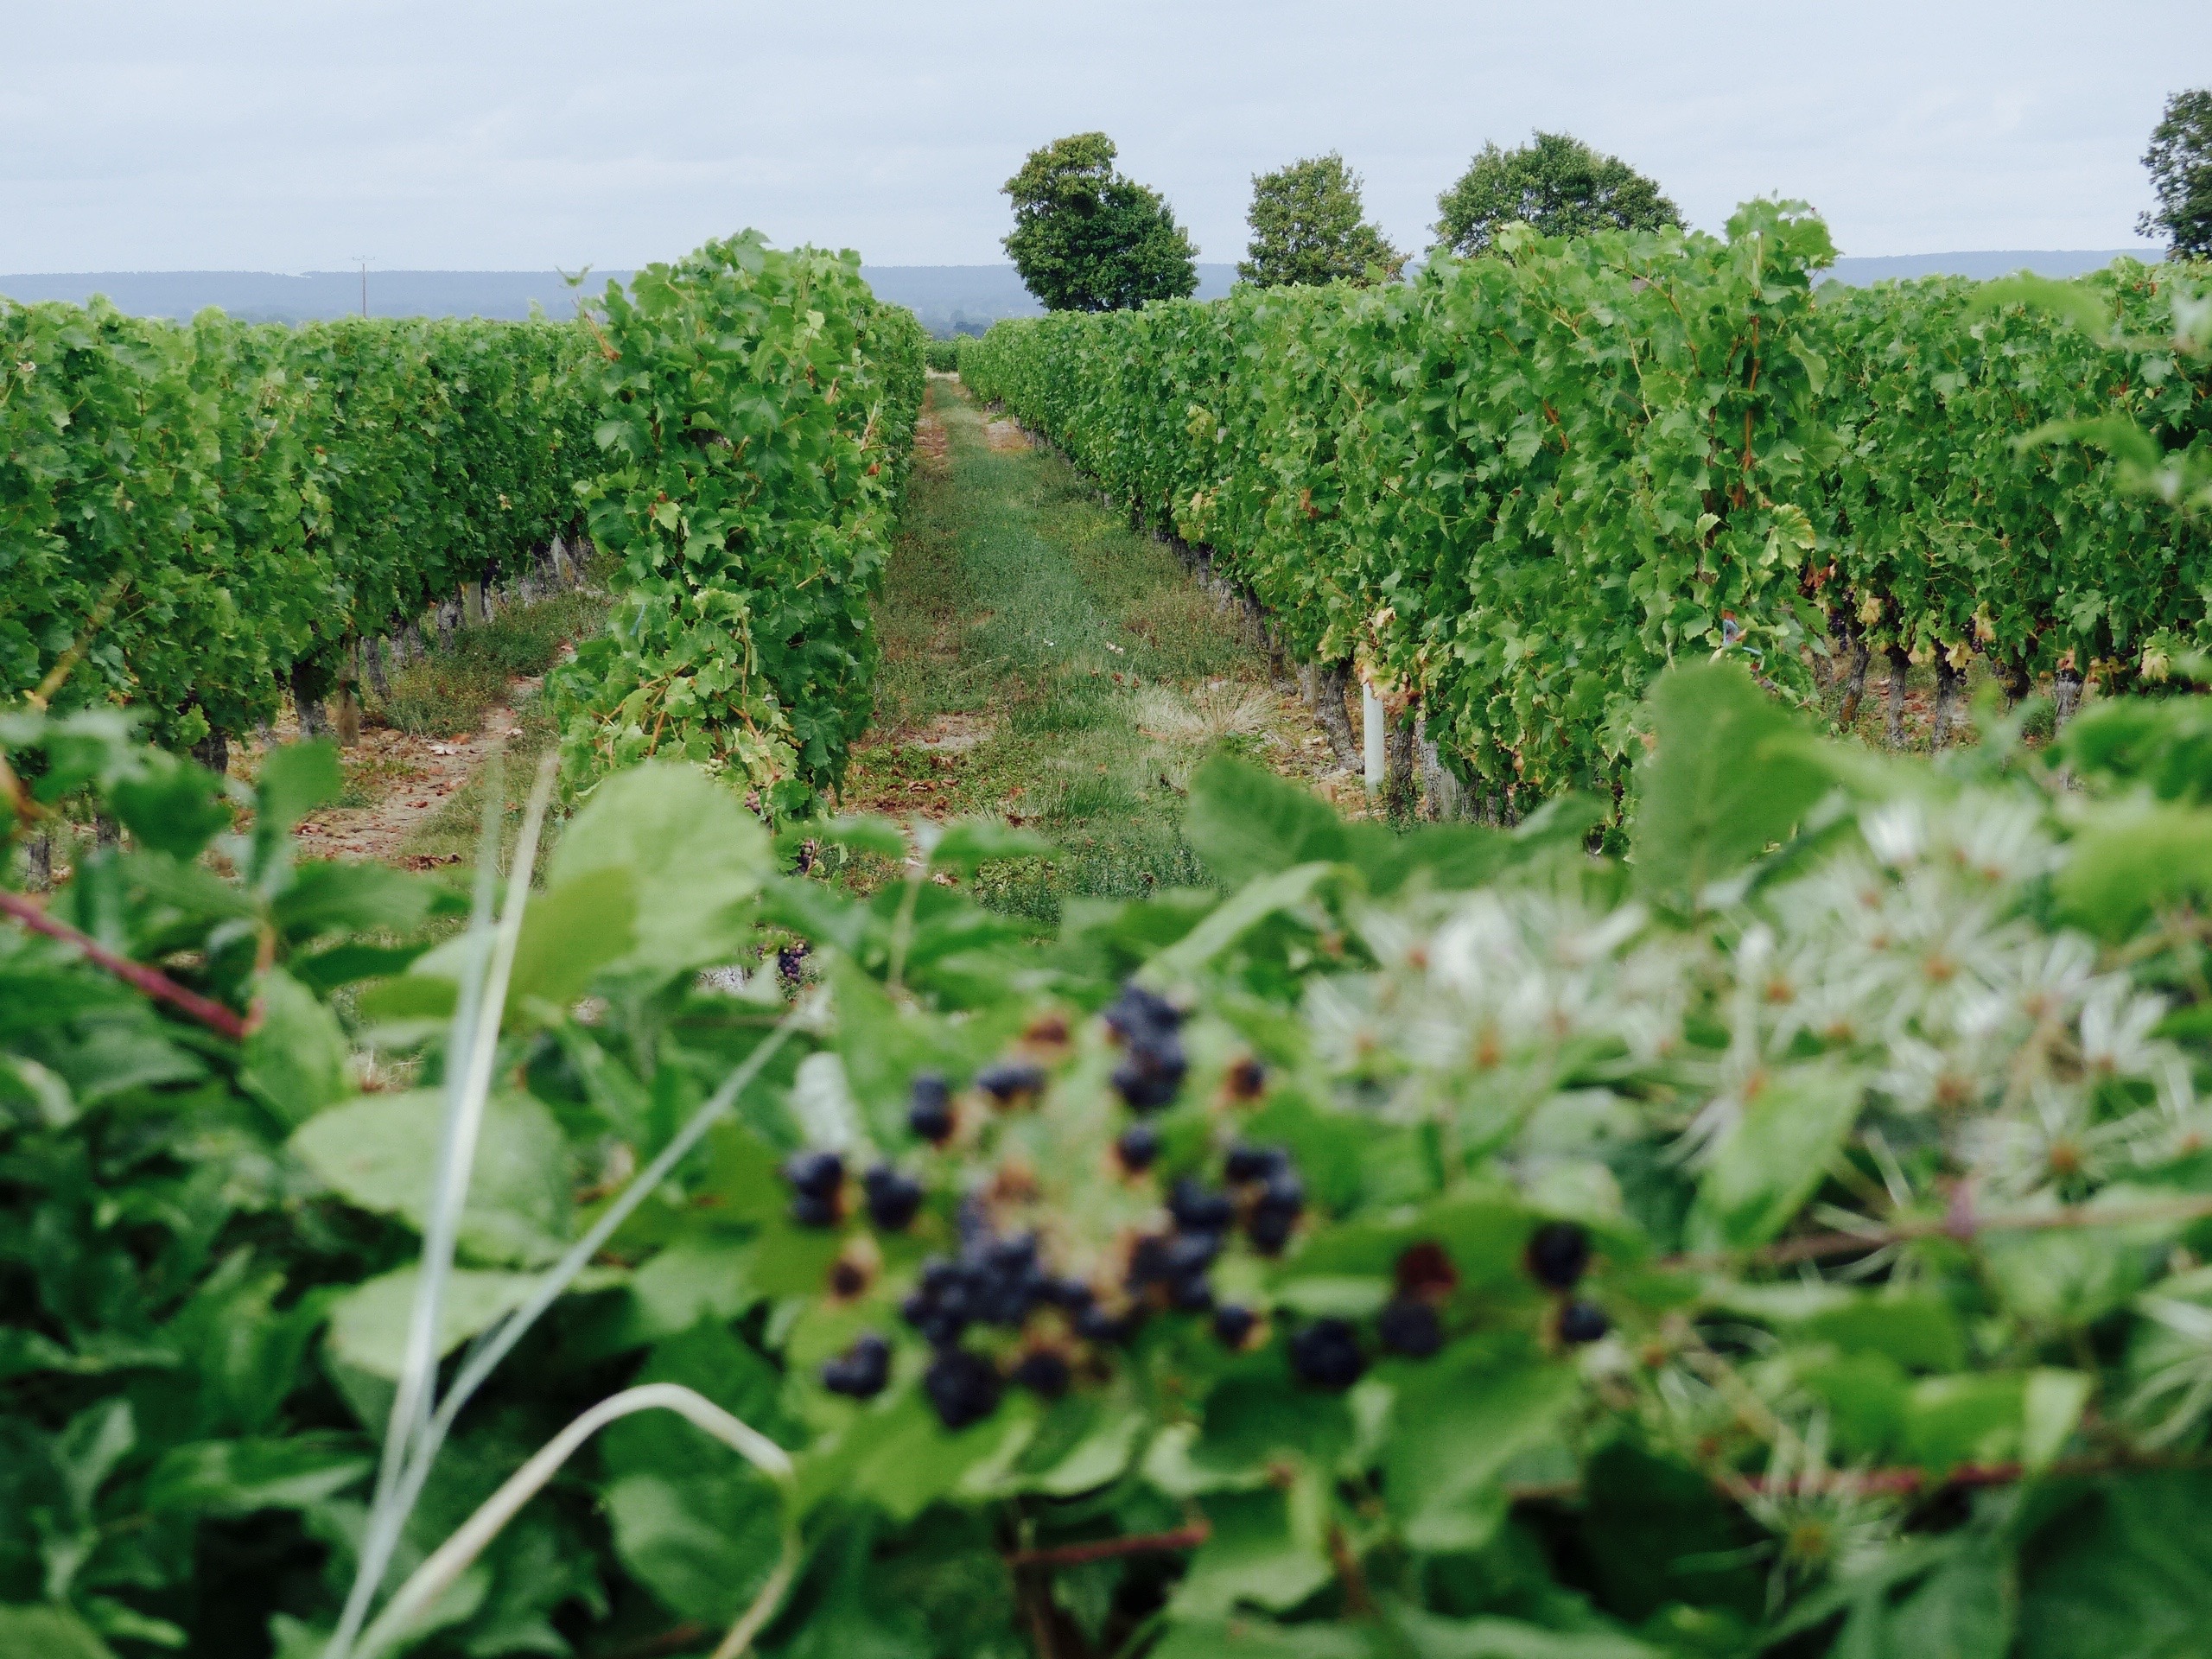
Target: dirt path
pixel 1045 663
pixel 402 782
pixel 400 785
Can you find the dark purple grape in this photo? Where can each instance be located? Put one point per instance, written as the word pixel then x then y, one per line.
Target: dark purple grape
pixel 1094 1324
pixel 964 1387
pixel 814 1174
pixel 1580 1322
pixel 791 962
pixel 1233 1324
pixel 1139 1015
pixel 1043 1373
pixel 1190 1253
pixel 809 1212
pixel 1196 1210
pixel 1192 1292
pixel 1015 1255
pixel 892 1198
pixel 1246 1164
pixel 1424 1270
pixel 1072 1294
pixel 943 1303
pixel 974 1223
pixel 1410 1328
pixel 1270 1230
pixel 1147 1261
pixel 1137 1147
pixel 1247 1079
pixel 1151 1074
pixel 939 1276
pixel 929 1110
pixel 861 1370
pixel 1011 1080
pixel 1284 1192
pixel 1559 1255
pixel 1326 1354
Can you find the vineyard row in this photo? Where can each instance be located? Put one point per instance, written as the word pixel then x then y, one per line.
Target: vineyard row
pixel 1509 491
pixel 195 516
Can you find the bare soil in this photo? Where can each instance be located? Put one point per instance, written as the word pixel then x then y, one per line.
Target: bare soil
pixel 402 780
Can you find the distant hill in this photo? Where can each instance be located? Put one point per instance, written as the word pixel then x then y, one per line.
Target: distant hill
pixel 2044 261
pixel 968 299
pixel 949 299
pixel 268 297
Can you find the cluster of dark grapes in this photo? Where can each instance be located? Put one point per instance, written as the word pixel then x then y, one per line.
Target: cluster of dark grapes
pixel 1175 1268
pixel 1276 1197
pixel 817 1183
pixel 1327 1354
pixel 1153 1065
pixel 994 1280
pixel 999 1281
pixel 1558 1257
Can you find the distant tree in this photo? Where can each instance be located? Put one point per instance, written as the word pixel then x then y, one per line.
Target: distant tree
pixel 2180 160
pixel 1558 184
pixel 1308 225
pixel 1086 238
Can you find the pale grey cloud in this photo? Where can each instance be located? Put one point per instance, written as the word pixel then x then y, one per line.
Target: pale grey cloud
pixel 485 135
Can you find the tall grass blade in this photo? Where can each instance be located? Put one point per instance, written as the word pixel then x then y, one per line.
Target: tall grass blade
pixel 451 1559
pixel 473 1041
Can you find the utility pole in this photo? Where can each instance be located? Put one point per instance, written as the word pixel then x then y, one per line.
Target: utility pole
pixel 363 260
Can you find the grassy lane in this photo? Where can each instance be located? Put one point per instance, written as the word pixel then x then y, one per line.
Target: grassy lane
pixel 1044 663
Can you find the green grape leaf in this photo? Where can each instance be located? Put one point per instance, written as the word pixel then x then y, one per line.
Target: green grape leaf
pixel 48 1633
pixel 572 930
pixel 236 1478
pixel 1264 1548
pixel 2128 863
pixel 1918 1330
pixel 380 1151
pixel 349 964
pixel 694 856
pixel 1993 1417
pixel 368 1324
pixel 696 1523
pixel 2127 1568
pixel 297 1059
pixel 1246 822
pixel 1720 784
pixel 1457 1422
pixel 296 779
pixel 1258 1638
pixel 172 806
pixel 1428 1637
pixel 328 897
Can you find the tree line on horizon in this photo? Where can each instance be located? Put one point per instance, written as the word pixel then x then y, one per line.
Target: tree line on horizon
pixel 1088 237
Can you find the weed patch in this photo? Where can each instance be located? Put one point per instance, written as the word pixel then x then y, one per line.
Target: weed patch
pixel 447 693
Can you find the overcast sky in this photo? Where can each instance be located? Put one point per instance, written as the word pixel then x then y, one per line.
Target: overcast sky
pixel 291 135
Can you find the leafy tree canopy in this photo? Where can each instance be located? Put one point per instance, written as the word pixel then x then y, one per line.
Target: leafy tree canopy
pixel 1086 238
pixel 2180 160
pixel 1308 226
pixel 1558 184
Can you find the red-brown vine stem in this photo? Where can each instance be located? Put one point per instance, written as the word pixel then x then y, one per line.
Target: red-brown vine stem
pixel 154 983
pixel 1107 1549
